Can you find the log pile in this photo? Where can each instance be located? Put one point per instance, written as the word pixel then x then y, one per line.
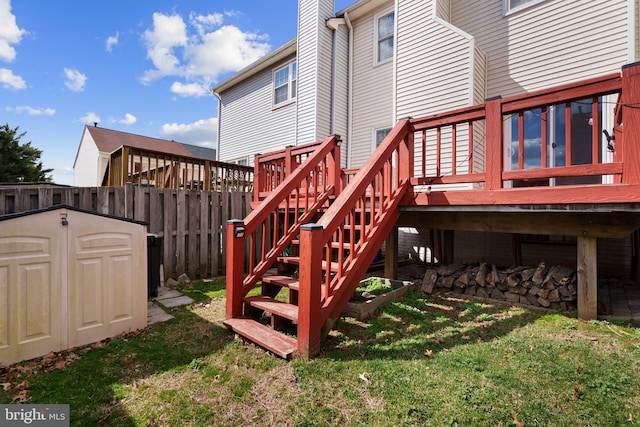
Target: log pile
pixel 549 287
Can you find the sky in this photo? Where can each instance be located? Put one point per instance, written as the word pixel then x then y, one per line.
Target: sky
pixel 137 66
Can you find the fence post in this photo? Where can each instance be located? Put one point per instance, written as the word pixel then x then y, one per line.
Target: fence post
pixel 235 267
pixel 310 276
pixel 631 123
pixel 493 143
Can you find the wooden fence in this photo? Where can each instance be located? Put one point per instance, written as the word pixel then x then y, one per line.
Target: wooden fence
pixel 192 223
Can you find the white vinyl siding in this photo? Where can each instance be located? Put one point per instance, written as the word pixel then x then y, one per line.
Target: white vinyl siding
pixel 314 70
pixel 439 68
pixel 372 100
pixel 554 43
pixel 249 124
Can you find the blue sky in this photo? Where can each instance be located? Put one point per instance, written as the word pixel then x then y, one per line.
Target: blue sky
pixel 137 66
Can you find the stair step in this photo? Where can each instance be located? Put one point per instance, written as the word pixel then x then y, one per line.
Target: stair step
pixel 284 281
pixel 274 341
pixel 294 260
pixel 273 306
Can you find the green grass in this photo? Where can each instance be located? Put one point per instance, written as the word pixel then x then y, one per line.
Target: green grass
pixel 418 362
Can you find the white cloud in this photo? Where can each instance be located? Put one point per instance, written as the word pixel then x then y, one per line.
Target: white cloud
pixel 90 118
pixel 9 32
pixel 202 23
pixel 75 80
pixel 202 132
pixel 112 41
pixel 33 111
pixel 129 119
pixel 191 89
pixel 199 51
pixel 8 80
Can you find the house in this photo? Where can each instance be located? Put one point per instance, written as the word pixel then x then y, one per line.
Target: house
pixel 150 161
pixel 500 128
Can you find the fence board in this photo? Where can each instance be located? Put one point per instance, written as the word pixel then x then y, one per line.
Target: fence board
pixel 181 217
pixel 205 233
pixel 102 202
pixel 216 225
pixel 168 238
pixel 193 246
pixel 224 217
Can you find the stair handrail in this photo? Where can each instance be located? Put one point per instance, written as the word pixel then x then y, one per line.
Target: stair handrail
pixel 305 203
pixel 378 188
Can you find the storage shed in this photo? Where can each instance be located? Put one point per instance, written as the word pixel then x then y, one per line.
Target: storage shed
pixel 68 277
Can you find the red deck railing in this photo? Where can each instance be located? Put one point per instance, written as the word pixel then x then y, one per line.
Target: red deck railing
pixel 467 146
pixel 266 232
pixel 349 235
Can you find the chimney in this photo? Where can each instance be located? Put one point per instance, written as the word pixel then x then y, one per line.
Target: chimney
pixel 315 39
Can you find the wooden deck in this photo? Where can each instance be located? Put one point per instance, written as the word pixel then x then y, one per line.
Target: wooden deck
pixel 539 163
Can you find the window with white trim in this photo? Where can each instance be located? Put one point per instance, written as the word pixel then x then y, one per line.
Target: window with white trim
pixel 515 5
pixel 384 37
pixel 284 84
pixel 243 161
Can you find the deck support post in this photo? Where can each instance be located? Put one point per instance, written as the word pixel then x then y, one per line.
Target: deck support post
pixel 235 268
pixel 310 277
pixel 587 272
pixel 391 255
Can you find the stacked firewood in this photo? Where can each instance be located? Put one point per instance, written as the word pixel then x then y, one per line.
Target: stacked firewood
pixel 550 287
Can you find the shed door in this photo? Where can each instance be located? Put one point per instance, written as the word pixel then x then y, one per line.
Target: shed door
pixel 107 291
pixel 30 300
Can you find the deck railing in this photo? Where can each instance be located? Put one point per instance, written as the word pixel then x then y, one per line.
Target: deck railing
pixel 266 232
pixel 467 145
pixel 271 169
pixel 162 170
pixel 349 235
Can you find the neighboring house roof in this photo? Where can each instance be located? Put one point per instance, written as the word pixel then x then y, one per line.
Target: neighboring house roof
pixel 108 141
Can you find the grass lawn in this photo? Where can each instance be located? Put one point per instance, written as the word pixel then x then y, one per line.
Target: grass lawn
pixel 418 362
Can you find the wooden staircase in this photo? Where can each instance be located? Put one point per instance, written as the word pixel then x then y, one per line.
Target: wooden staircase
pixel 294 262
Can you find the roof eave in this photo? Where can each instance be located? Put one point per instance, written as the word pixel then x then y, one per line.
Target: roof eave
pixel 266 61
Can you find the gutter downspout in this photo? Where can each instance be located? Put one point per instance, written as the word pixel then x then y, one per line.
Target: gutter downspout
pixel 219 126
pixel 349 90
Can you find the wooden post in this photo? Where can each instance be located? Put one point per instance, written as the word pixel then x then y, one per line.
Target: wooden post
pixel 493 144
pixel 335 167
pixel 391 255
pixel 235 268
pixel 631 123
pixel 310 275
pixel 587 278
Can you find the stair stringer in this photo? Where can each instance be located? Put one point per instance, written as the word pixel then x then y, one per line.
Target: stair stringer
pixel 335 304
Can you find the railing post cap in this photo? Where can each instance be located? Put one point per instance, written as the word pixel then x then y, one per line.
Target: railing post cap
pixel 311 227
pixel 235 222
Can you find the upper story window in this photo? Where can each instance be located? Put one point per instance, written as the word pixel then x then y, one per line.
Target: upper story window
pixel 284 84
pixel 384 37
pixel 515 5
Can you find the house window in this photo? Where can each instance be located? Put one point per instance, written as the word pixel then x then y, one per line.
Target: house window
pixel 515 5
pixel 381 134
pixel 384 37
pixel 243 161
pixel 284 84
